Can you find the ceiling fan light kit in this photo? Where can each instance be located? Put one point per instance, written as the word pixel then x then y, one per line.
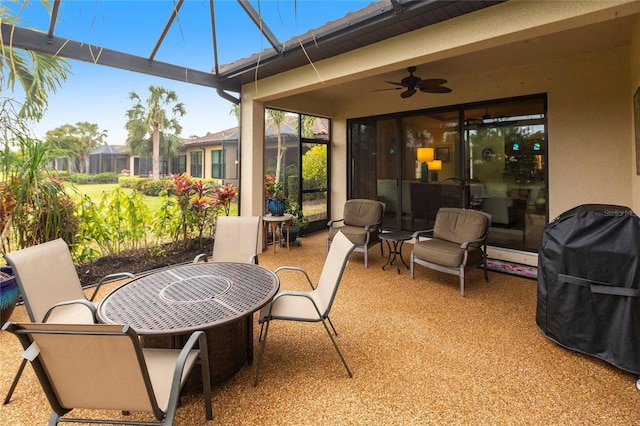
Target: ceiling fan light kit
pixel 414 83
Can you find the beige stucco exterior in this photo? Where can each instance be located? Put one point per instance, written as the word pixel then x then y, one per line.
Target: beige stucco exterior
pixel 585 55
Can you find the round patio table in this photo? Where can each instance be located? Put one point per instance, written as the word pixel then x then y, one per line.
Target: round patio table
pixel 165 307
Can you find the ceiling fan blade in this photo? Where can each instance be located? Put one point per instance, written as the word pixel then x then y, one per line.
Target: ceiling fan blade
pixel 435 89
pixel 408 93
pixel 397 84
pixel 384 90
pixel 431 82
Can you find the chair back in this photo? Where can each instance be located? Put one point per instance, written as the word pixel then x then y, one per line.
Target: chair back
pixel 91 366
pixel 362 212
pixel 334 264
pixel 46 275
pixel 236 239
pixel 460 225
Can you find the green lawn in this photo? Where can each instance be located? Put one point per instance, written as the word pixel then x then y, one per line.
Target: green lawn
pixel 95 191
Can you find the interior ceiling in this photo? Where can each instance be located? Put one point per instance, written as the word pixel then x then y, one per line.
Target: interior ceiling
pixel 604 35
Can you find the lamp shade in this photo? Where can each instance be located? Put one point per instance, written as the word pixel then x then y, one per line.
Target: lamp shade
pixel 435 165
pixel 425 154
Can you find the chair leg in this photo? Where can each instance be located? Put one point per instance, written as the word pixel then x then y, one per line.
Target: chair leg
pixel 366 258
pixel 411 265
pixel 462 282
pixel 332 327
pixel 262 346
pixel 23 363
pixel 335 345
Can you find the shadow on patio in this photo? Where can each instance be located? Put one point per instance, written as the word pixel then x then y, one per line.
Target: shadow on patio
pixel 420 354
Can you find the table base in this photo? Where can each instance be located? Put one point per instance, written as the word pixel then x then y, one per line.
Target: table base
pixel 230 348
pixel 394 251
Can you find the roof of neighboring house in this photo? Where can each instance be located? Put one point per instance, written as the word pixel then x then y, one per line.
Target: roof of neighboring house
pixel 212 138
pixel 110 149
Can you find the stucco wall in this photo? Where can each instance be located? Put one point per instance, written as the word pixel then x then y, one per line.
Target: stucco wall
pixel 589 113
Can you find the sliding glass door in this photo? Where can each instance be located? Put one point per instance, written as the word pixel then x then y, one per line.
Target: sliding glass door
pixel 488 156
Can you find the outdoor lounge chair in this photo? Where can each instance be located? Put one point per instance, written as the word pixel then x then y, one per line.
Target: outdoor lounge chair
pixel 236 240
pixel 311 306
pixel 457 243
pixel 51 289
pixel 104 367
pixel 360 223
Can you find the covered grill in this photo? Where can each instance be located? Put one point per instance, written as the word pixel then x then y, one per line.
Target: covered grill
pixel 588 283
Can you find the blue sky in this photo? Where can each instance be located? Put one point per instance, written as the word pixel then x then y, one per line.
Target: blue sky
pixel 99 94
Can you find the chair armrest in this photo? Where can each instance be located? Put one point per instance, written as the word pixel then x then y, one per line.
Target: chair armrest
pixel 200 338
pixel 303 294
pixel 111 277
pixel 468 243
pixel 84 302
pixel 295 268
pixel 331 222
pixel 422 233
pixel 200 256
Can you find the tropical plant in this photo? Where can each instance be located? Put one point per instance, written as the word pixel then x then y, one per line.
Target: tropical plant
pixel 118 222
pixel 152 123
pixel 41 209
pixel 224 195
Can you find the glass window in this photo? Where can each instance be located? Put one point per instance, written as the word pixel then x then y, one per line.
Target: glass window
pixel 217 164
pixel 196 164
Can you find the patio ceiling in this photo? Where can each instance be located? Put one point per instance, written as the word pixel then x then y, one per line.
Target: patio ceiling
pixel 378 21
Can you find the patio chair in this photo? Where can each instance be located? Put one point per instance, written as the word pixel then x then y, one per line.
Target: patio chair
pixel 457 243
pixel 51 289
pixel 309 306
pixel 236 240
pixel 361 223
pixel 104 367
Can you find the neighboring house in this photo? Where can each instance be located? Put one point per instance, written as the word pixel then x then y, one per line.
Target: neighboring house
pixel 108 158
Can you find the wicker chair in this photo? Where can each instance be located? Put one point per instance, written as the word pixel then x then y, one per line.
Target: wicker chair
pixel 360 223
pixel 457 243
pixel 104 367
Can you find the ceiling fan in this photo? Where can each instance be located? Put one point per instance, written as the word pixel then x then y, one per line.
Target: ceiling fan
pixel 413 83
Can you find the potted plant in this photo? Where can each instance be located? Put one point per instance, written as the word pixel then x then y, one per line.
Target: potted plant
pixel 299 222
pixel 275 199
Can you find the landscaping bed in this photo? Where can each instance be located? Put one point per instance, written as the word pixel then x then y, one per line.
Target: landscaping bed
pixel 142 260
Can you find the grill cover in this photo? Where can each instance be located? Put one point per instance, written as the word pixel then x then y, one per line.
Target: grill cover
pixel 588 280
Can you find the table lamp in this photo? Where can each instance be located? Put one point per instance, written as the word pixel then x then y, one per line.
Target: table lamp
pixel 434 166
pixel 424 156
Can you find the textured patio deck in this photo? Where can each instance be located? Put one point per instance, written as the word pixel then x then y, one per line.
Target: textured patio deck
pixel 420 354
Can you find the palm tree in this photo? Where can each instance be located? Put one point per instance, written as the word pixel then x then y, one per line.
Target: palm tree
pixel 37 74
pixel 277 117
pixel 151 122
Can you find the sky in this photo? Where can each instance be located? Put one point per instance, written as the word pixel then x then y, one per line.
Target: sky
pixel 100 95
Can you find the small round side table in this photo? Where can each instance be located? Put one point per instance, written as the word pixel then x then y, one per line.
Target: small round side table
pixel 395 240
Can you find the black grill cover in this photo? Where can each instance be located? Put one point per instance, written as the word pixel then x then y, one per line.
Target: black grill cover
pixel 588 283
